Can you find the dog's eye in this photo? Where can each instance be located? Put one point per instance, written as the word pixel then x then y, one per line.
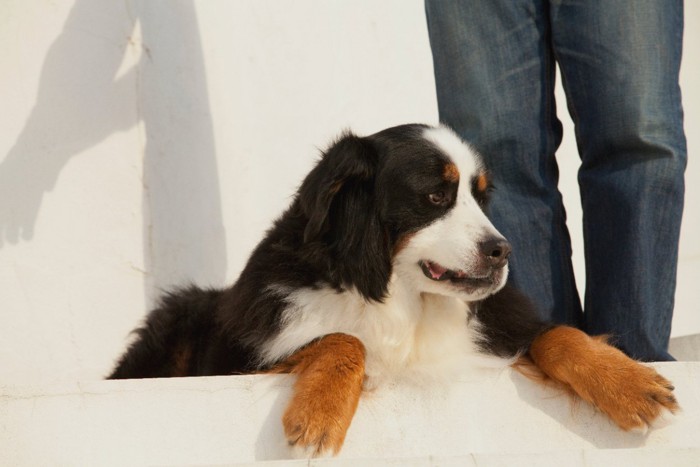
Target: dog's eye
pixel 439 198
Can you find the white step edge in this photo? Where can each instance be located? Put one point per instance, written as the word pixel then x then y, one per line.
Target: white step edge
pixel 236 420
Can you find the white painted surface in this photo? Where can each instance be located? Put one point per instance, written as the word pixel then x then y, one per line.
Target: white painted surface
pixel 576 458
pixel 147 143
pixel 226 420
pixel 686 348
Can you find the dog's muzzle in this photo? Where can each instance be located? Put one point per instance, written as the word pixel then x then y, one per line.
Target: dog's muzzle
pixel 493 257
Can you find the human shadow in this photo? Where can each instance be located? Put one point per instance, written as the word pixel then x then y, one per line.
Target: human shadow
pixel 83 98
pixel 182 200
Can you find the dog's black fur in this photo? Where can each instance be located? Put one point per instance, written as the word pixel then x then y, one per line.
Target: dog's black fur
pixel 349 203
pixel 348 287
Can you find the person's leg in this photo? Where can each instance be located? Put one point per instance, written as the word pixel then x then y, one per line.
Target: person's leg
pixel 494 74
pixel 620 64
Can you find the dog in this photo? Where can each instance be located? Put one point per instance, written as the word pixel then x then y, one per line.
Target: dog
pixel 384 267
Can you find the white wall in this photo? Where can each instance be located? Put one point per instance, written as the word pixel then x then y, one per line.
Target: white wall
pixel 147 143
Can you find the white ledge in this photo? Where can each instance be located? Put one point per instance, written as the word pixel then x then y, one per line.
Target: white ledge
pixel 500 417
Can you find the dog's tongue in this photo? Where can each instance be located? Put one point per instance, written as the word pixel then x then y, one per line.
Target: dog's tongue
pixel 436 270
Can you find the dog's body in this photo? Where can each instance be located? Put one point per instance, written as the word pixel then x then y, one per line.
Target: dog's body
pixel 384 267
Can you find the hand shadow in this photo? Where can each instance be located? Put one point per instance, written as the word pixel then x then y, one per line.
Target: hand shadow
pixel 81 101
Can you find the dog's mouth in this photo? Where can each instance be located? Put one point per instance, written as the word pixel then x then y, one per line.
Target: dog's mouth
pixel 439 273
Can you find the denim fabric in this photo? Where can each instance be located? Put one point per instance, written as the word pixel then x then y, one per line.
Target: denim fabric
pixel 495 69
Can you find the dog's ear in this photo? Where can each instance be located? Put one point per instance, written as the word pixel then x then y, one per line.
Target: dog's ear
pixel 349 160
pixel 339 200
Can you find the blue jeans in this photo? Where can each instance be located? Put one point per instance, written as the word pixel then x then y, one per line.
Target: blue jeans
pixel 495 69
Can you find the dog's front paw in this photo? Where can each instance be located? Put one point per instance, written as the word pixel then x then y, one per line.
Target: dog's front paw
pixel 312 430
pixel 329 373
pixel 631 394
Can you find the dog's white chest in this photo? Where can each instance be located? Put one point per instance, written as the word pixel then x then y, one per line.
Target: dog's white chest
pixel 409 336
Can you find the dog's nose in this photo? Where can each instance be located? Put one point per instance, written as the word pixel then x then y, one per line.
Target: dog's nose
pixel 496 250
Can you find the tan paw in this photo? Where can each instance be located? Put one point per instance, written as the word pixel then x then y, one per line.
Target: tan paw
pixel 329 373
pixel 313 431
pixel 633 395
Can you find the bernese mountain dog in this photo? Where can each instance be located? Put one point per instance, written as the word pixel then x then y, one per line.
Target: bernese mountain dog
pixel 385 267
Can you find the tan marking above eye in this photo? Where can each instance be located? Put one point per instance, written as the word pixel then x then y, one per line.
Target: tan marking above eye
pixel 482 182
pixel 451 173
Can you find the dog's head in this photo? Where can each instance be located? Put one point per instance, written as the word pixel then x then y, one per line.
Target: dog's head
pixel 408 200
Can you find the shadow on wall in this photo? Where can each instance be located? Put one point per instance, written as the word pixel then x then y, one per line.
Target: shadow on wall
pixel 81 101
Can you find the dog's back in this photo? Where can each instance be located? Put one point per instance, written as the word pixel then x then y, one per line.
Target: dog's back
pixel 180 338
